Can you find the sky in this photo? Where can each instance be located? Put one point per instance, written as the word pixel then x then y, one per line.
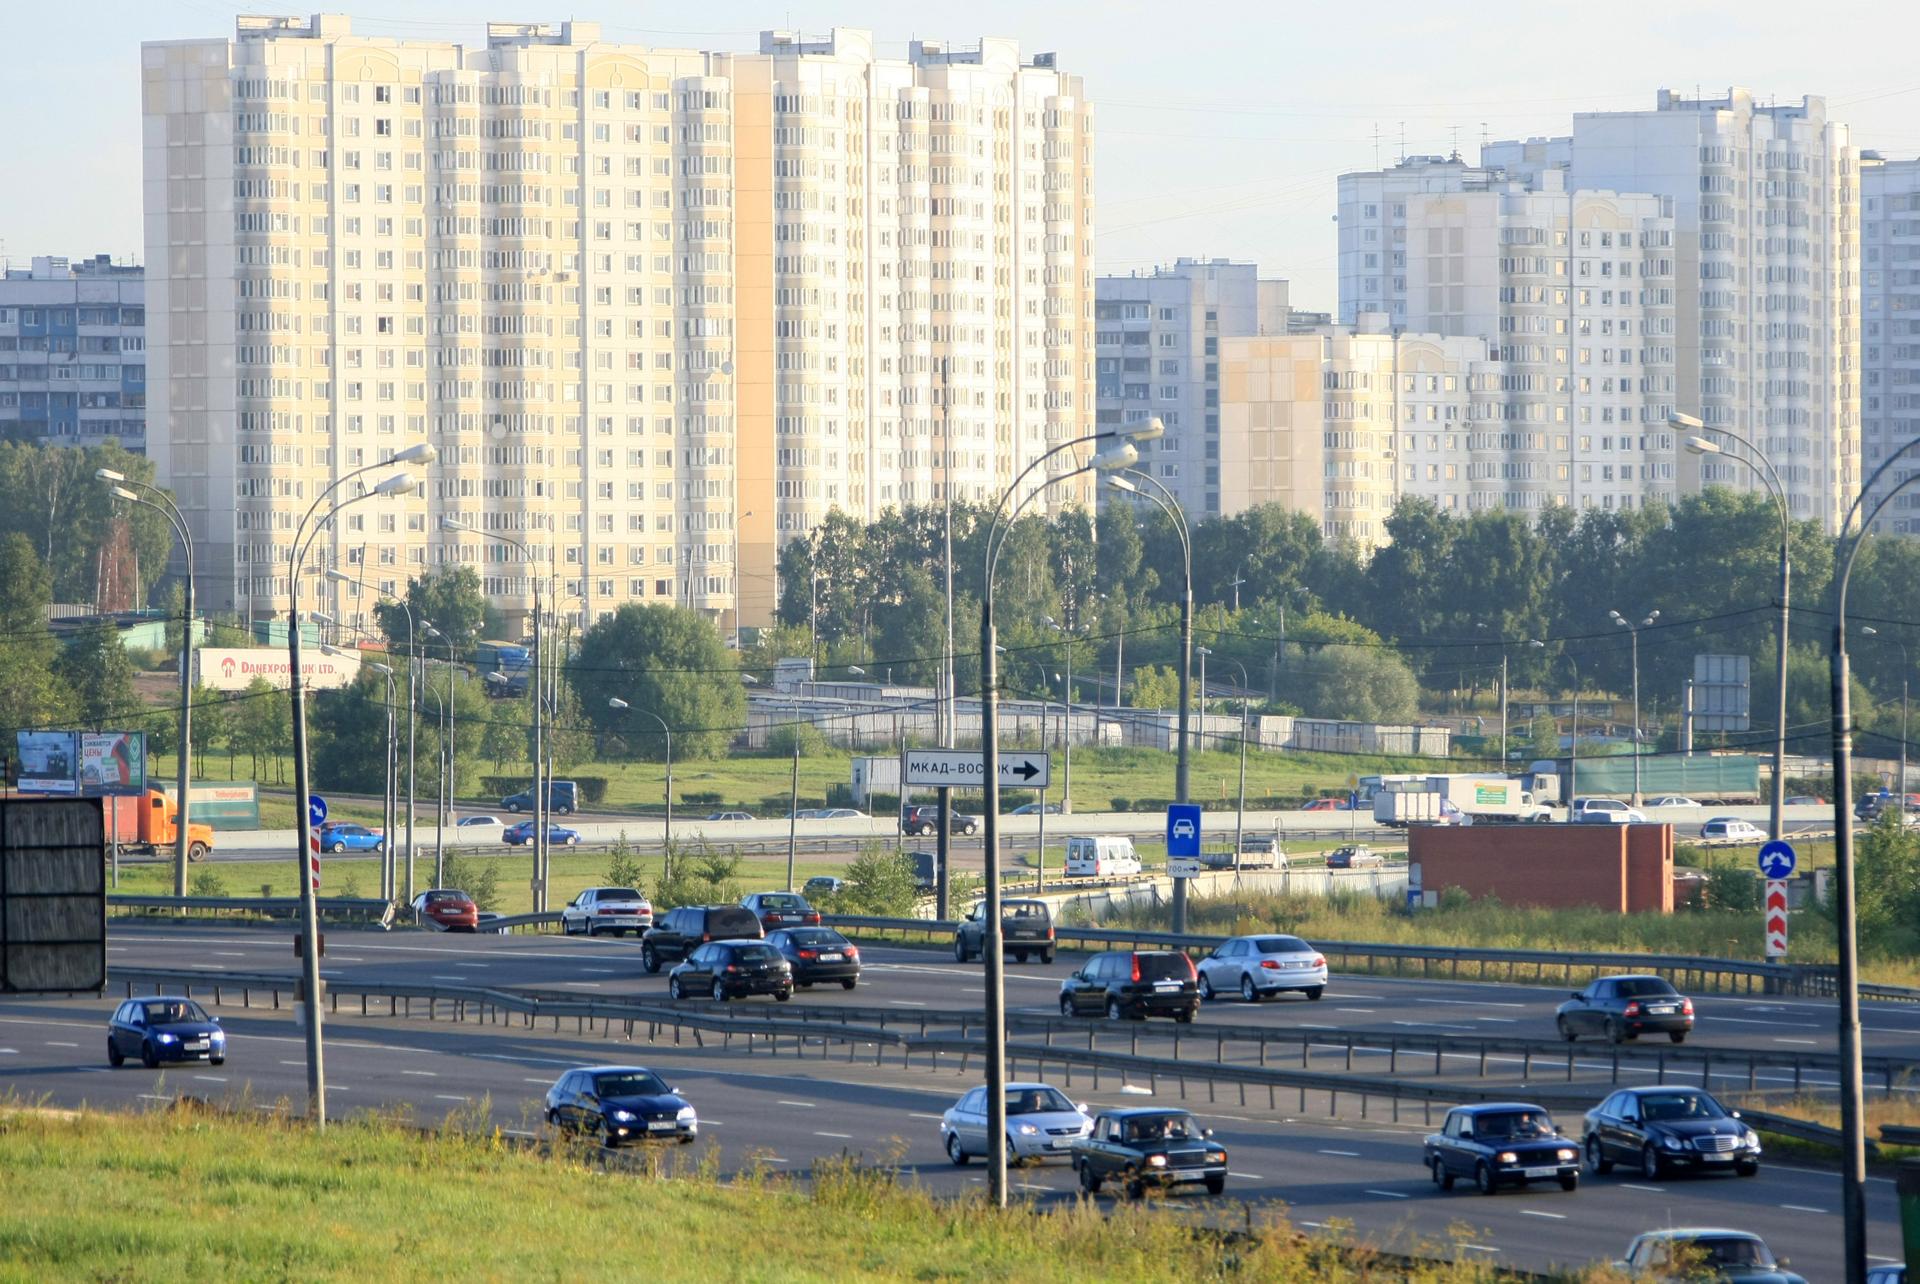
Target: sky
pixel 1220 127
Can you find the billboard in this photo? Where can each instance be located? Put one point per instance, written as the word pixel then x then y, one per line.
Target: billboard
pixel 53 895
pixel 49 761
pixel 1722 692
pixel 113 762
pixel 221 668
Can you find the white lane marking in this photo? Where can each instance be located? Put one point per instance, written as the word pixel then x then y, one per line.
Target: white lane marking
pixel 1786 1025
pixel 1808 1042
pixel 208 967
pixel 348 958
pixel 1499 1020
pixel 905 1003
pixel 1471 1003
pixel 424 1074
pixel 9 1052
pixel 1308 1025
pixel 1344 1154
pixel 1361 1011
pixel 118 949
pixel 54 1043
pixel 1480 1248
pixel 212 1078
pixel 1801 1208
pixel 837 1136
pixel 449 978
pixel 805 1105
pixel 545 1081
pixel 1431 1025
pixel 1651 1190
pixel 910 1114
pixel 155 1096
pixel 293 1063
pixel 465 964
pixel 773 1159
pixel 599 971
pixel 1534 1212
pixel 1245 1176
pixel 516 1132
pixel 229 954
pixel 1817 1172
pixel 441 1096
pixel 591 985
pixel 1387 1194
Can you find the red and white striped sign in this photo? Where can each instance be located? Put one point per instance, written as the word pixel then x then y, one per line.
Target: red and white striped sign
pixel 313 859
pixel 1776 918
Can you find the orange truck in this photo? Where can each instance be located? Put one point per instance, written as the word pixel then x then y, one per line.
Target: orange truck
pixel 149 825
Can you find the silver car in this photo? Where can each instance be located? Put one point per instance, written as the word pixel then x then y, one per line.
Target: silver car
pixel 1042 1123
pixel 1257 966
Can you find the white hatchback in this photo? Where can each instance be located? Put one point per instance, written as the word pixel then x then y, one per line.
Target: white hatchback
pixel 1732 827
pixel 1257 966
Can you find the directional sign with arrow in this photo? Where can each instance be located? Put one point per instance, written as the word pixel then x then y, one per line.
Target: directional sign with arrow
pixel 964 769
pixel 1776 918
pixel 1776 860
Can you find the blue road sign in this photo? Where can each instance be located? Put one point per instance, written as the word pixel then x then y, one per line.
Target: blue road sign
pixel 1776 859
pixel 316 809
pixel 1183 830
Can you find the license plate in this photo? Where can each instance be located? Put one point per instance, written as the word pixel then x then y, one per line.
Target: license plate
pixel 1662 1009
pixel 1541 1172
pixel 830 958
pixel 1059 1145
pixel 1170 986
pixel 200 1046
pixel 1718 1159
pixel 789 918
pixel 660 1125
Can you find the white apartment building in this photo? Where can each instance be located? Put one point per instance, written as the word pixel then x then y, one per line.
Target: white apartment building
pixel 73 353
pixel 658 310
pixel 1766 208
pixel 1372 222
pixel 1158 339
pixel 1890 308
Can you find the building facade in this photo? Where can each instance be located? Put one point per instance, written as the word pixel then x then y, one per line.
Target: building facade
pixel 1890 312
pixel 73 353
pixel 657 310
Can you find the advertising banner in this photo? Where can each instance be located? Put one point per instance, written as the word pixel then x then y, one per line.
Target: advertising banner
pixel 235 668
pixel 49 761
pixel 113 763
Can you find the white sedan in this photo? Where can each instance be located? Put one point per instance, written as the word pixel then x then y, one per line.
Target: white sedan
pixel 607 909
pixel 1732 827
pixel 1259 966
pixel 1042 1122
pixel 1672 800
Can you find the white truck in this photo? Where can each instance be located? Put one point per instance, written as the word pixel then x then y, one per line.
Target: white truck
pixel 1459 800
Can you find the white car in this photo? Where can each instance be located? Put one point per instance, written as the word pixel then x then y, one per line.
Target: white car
pixel 1042 1123
pixel 1605 811
pixel 607 909
pixel 1734 828
pixel 1258 966
pixel 480 822
pixel 1672 800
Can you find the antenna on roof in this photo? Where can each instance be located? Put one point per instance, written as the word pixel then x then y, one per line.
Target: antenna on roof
pixel 1403 141
pixel 1376 144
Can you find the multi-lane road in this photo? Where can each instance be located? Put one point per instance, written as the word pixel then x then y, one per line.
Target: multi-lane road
pixel 791 1113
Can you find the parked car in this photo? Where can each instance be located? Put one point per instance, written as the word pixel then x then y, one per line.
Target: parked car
pixel 1672 800
pixel 621 1104
pixel 1733 827
pixel 1042 1123
pixel 479 822
pixel 607 909
pixel 732 969
pixel 1327 804
pixel 1809 800
pixel 448 909
pixel 1036 809
pixel 678 934
pixel 1604 811
pixel 557 835
pixel 925 819
pixel 1501 1144
pixel 1660 1128
pixel 1354 856
pixel 1258 966
pixel 1150 1146
pixel 1619 1008
pixel 823 885
pixel 163 1028
pixel 818 955
pixel 1133 985
pixel 1026 928
pixel 345 836
pixel 1733 1255
pixel 781 909
pixel 563 798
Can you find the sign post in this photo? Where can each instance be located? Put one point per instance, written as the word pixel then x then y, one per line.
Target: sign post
pixel 962 769
pixel 316 814
pixel 1777 861
pixel 1183 840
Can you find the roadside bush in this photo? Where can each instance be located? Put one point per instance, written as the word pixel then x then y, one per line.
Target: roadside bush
pixel 879 881
pixel 477 878
pixel 207 882
pixel 780 740
pixel 708 798
pixel 1120 804
pixel 705 877
pixel 623 867
pixel 1730 888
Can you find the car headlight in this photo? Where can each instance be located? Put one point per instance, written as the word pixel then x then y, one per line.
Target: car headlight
pixel 1028 1130
pixel 623 1116
pixel 1156 1161
pixel 1507 1157
pixel 166 1038
pixel 1217 1157
pixel 1751 1139
pixel 1569 1154
pixel 685 1115
pixel 1673 1143
pixel 219 1036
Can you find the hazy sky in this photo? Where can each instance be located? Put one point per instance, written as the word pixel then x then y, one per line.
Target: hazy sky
pixel 1220 126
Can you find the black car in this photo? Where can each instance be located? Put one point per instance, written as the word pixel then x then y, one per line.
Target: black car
pixel 162 1028
pixel 621 1104
pixel 926 820
pixel 818 954
pixel 1618 1008
pixel 1138 986
pixel 672 938
pixel 781 909
pixel 1501 1144
pixel 732 970
pixel 1661 1129
pixel 1026 928
pixel 1146 1147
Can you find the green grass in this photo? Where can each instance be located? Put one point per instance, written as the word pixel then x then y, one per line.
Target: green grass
pixel 193 1195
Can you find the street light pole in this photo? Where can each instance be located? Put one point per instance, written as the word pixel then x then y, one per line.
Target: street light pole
pixel 1633 629
pixel 1906 662
pixel 413 709
pixel 1240 809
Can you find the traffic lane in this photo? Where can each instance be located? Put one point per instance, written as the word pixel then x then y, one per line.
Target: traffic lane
pixel 774 1113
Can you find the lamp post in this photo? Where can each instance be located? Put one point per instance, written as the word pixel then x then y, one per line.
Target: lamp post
pixel 413 709
pixel 390 784
pixel 138 492
pixel 1634 630
pixel 309 911
pixel 1906 663
pixel 1113 457
pixel 443 812
pixel 1066 726
pixel 665 730
pixel 1240 809
pixel 1764 470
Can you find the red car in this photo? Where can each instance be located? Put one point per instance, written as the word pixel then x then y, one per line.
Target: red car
pixel 1327 804
pixel 447 909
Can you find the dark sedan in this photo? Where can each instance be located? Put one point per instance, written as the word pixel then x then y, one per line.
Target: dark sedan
pixel 781 909
pixel 1619 1008
pixel 818 954
pixel 1501 1144
pixel 1663 1129
pixel 557 835
pixel 162 1029
pixel 730 970
pixel 1149 1147
pixel 620 1104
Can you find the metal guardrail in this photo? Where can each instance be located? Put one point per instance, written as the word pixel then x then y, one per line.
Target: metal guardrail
pixel 1799 1129
pixel 347 908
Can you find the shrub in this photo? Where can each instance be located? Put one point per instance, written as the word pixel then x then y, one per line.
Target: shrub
pixel 1120 804
pixel 477 878
pixel 711 798
pixel 623 867
pixel 879 881
pixel 701 877
pixel 780 740
pixel 207 882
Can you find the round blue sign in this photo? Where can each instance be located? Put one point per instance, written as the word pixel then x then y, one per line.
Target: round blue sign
pixel 1776 859
pixel 316 809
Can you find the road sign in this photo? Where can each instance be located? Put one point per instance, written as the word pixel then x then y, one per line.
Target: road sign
pixel 1776 918
pixel 1776 860
pixel 964 769
pixel 1183 868
pixel 313 859
pixel 1183 830
pixel 316 809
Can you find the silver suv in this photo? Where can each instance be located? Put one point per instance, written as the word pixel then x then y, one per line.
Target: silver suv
pixel 1604 811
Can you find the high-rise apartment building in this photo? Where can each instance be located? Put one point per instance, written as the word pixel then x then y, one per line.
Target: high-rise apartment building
pixel 658 310
pixel 1890 311
pixel 1372 222
pixel 73 353
pixel 1158 340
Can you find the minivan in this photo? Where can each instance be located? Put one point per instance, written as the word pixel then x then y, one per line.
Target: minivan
pixel 563 799
pixel 1105 856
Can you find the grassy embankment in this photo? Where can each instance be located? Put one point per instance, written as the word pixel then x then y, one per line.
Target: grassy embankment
pixel 191 1195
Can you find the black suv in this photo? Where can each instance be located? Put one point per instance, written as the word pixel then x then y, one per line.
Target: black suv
pixel 684 930
pixel 925 819
pixel 1140 985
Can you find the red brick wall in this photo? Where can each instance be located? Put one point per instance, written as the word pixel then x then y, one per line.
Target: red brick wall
pixel 1650 868
pixel 1616 867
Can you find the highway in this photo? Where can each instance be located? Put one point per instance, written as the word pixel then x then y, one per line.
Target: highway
pixel 1363 1172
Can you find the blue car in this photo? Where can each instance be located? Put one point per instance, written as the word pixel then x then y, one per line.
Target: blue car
pixel 162 1028
pixel 345 837
pixel 620 1104
pixel 557 836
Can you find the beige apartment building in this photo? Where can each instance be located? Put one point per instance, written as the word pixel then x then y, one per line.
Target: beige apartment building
pixel 657 310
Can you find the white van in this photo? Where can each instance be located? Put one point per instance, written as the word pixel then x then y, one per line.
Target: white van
pixel 1102 857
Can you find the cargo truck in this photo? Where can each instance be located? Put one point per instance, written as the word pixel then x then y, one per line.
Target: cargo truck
pixel 147 825
pixel 1457 800
pixel 1714 779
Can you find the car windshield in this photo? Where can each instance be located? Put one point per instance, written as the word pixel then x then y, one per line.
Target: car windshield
pixel 781 901
pixel 1024 909
pixel 1283 945
pixel 619 894
pixel 1643 987
pixel 1513 1124
pixel 629 1083
pixel 447 898
pixel 174 1010
pixel 1036 1101
pixel 1680 1105
pixel 756 954
pixel 1732 1250
pixel 1163 1128
pixel 1163 967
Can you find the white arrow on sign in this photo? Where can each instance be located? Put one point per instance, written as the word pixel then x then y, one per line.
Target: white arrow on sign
pixel 964 769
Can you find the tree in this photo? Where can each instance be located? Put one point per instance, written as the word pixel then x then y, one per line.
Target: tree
pixel 348 735
pixel 261 726
pixel 97 668
pixel 880 880
pixel 507 735
pixel 1154 686
pixel 451 599
pixel 668 661
pixel 912 631
pixel 1354 683
pixel 32 693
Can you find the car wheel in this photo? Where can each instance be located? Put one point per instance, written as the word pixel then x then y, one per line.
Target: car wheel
pixel 1136 1189
pixel 1113 1010
pixel 1216 1184
pixel 960 952
pixel 1751 1168
pixel 1185 1015
pixel 1597 1161
pixel 1483 1178
pixel 513 809
pixel 147 1058
pixel 1019 956
pixel 848 984
pixel 1248 993
pixel 955 1151
pixel 1569 1181
pixel 1088 1182
pixel 338 846
pixel 1206 988
pixel 197 852
pixel 115 1057
pixel 673 988
pixel 648 959
pixel 1441 1177
pixel 573 840
pixel 1046 955
pixel 719 992
pixel 782 995
pixel 1566 1031
pixel 592 931
pixel 1614 1032
pixel 1315 991
pixel 1650 1163
pixel 219 1061
pixel 1678 1036
pixel 564 811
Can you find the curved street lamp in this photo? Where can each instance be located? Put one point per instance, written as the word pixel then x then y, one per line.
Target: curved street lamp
pixel 615 702
pixel 1634 629
pixel 338 576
